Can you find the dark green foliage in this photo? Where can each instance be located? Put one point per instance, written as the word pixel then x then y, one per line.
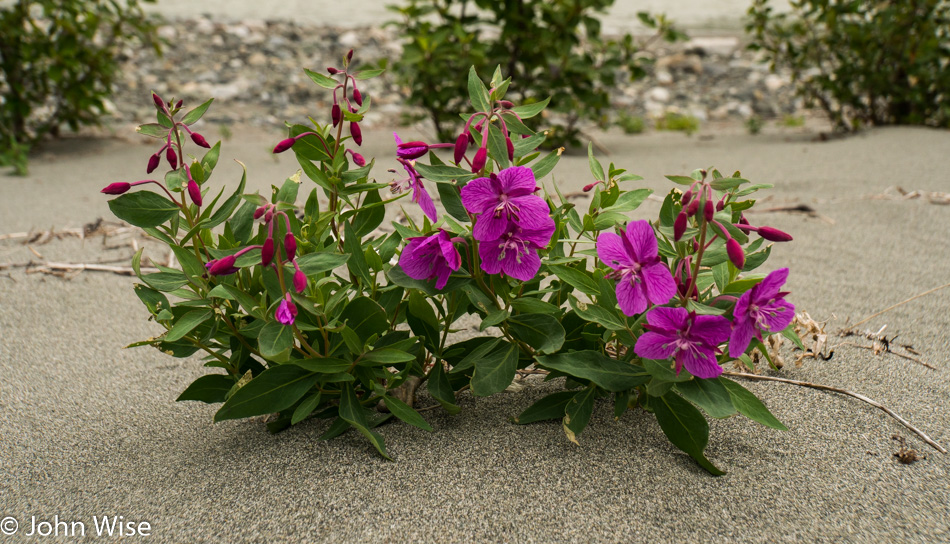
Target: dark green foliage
pixel 58 62
pixel 863 62
pixel 553 49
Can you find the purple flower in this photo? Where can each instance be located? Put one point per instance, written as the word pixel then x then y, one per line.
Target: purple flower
pixel 515 252
pixel 692 339
pixel 427 257
pixel 503 198
pixel 419 194
pixel 760 309
pixel 286 311
pixel 642 276
pixel 410 150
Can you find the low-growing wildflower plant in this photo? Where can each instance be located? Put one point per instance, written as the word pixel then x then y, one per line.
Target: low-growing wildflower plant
pixel 320 311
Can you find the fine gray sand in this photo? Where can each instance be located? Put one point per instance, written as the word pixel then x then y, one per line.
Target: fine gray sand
pixel 89 429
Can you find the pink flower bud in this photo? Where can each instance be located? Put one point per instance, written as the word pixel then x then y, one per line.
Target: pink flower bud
pixel 200 140
pixel 153 163
pixel 332 71
pixel 774 235
pixel 290 246
pixel 259 212
pixel 481 157
pixel 300 281
pixel 357 96
pixel 734 250
pixel 692 208
pixel 223 267
pixel 506 104
pixel 284 145
pixel 461 144
pixel 268 216
pixel 679 226
pixel 159 103
pixel 194 192
pixel 721 205
pixel 117 188
pixel 286 312
pixel 709 210
pixel 590 186
pixel 356 133
pixel 172 158
pixel 511 148
pixel 357 158
pixel 336 114
pixel 411 150
pixel 267 252
pixel 178 105
pixel 349 56
pixel 743 220
pixel 687 196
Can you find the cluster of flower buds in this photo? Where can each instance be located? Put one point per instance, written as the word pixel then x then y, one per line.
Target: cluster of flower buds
pixel 171 154
pixel 480 122
pixel 336 111
pixel 700 195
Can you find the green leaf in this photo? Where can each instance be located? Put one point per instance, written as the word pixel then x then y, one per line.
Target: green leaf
pixel 606 373
pixel 224 212
pixel 321 80
pixel 444 173
pixel 493 319
pixel 405 412
pixel 544 166
pixel 365 316
pixel 324 365
pixel 388 356
pixel 452 202
pixel 210 159
pixel 274 338
pixel 528 111
pixel 662 370
pixel 541 331
pixel 629 201
pixel 209 389
pixel 710 395
pixel 192 116
pixel 154 300
pixel 578 411
pixel 576 278
pixel 550 407
pixel 531 305
pixel 727 184
pixel 189 263
pixel 685 426
pixel 367 74
pixel 497 147
pixel 165 281
pixel 357 262
pixel 315 263
pixel 494 372
pixel 152 129
pixel 187 323
pixel 368 218
pixel 143 209
pixel 682 180
pixel 596 169
pixel 353 413
pixel 597 314
pixel 750 406
pixel 477 92
pixel 305 408
pixel 273 390
pixel 441 390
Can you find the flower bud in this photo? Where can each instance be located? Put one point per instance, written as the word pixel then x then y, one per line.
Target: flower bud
pixel 692 208
pixel 349 56
pixel 734 250
pixel 481 157
pixel 300 281
pixel 336 114
pixel 223 267
pixel 259 212
pixel 506 104
pixel 159 103
pixel 194 192
pixel 461 144
pixel 721 205
pixel 268 215
pixel 153 163
pixel 709 210
pixel 743 220
pixel 332 71
pixel 284 145
pixel 172 158
pixel 290 246
pixel 590 186
pixel 200 140
pixel 774 235
pixel 511 148
pixel 679 226
pixel 286 312
pixel 357 96
pixel 687 196
pixel 357 158
pixel 117 188
pixel 356 133
pixel 178 105
pixel 267 252
pixel 411 150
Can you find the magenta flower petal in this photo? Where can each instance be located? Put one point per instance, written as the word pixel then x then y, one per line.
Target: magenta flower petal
pixel 772 283
pixel 478 196
pixel 700 362
pixel 490 227
pixel 425 258
pixel 610 250
pixel 421 197
pixel 642 239
pixel 515 252
pixel 517 179
pixel 668 318
pixel 658 282
pixel 651 345
pixel 286 312
pixel 713 328
pixel 630 295
pixel 692 340
pixel 532 212
pixel 762 309
pixel 740 338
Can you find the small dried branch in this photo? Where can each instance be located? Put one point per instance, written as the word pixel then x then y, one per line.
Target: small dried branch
pixel 858 396
pixel 33 267
pixel 901 303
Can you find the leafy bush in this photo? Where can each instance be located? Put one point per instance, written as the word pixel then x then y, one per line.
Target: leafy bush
pixel 678 122
pixel 863 62
pixel 553 48
pixel 58 64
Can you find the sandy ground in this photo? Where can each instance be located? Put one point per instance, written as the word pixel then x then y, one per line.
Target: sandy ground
pixel 89 429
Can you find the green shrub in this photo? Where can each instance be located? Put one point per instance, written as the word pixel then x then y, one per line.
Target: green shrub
pixel 678 122
pixel 863 62
pixel 58 64
pixel 553 48
pixel 630 124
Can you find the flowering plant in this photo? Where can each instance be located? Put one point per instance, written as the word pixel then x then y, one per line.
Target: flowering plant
pixel 314 311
